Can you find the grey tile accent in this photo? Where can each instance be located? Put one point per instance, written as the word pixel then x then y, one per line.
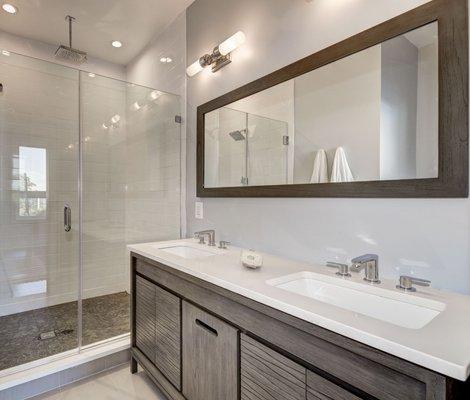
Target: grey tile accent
pixel 30 389
pixel 82 371
pixel 113 360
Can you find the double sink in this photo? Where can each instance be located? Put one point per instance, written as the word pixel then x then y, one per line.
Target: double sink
pixel 392 306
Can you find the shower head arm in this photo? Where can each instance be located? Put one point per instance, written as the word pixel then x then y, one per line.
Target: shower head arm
pixel 70 19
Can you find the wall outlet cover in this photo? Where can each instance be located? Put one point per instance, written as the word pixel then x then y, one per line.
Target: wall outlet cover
pixel 199 210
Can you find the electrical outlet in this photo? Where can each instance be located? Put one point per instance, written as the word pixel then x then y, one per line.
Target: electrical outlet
pixel 199 210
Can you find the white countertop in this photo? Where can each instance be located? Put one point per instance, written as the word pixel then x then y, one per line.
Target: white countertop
pixel 443 345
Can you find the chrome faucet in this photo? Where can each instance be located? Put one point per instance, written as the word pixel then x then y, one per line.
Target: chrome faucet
pixel 210 233
pixel 370 264
pixel 407 282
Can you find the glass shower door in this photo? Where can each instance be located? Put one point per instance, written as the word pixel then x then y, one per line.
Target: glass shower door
pixel 39 232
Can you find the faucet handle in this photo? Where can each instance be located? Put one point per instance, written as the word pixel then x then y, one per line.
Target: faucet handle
pixel 223 244
pixel 343 269
pixel 197 235
pixel 407 282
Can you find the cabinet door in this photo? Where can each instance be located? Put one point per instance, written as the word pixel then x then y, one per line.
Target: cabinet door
pixel 319 388
pixel 145 317
pixel 168 336
pixel 158 328
pixel 267 375
pixel 210 356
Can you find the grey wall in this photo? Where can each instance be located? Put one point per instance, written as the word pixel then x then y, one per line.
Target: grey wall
pixel 428 237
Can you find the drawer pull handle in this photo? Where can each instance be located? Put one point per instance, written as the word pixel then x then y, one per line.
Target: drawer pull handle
pixel 206 327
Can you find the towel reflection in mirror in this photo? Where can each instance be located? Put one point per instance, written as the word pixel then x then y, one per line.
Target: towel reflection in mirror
pixel 340 171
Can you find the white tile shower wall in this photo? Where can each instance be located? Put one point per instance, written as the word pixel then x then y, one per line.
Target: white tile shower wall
pixel 146 69
pixel 153 186
pixel 104 178
pixel 426 237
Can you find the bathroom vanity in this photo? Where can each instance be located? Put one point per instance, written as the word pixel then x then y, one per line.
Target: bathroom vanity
pixel 204 328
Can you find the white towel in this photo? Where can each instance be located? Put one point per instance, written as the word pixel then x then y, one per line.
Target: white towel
pixel 341 171
pixel 320 168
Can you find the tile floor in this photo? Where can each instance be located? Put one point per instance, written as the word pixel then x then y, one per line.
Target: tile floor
pixel 115 384
pixel 103 317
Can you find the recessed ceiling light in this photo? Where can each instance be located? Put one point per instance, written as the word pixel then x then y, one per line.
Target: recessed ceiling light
pixel 91 75
pixel 166 60
pixel 116 43
pixel 9 8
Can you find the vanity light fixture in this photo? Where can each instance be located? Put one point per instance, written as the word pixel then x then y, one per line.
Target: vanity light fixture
pixel 91 75
pixel 166 60
pixel 10 8
pixel 136 106
pixel 6 53
pixel 220 57
pixel 116 43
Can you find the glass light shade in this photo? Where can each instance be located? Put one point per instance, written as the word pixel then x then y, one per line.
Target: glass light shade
pixel 194 68
pixel 9 8
pixel 232 43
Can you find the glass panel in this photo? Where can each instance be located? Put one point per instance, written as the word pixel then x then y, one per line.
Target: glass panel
pixel 131 191
pixel 226 145
pixel 38 177
pixel 370 116
pixel 267 151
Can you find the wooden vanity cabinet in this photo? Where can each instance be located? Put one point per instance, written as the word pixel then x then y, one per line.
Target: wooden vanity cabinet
pixel 198 341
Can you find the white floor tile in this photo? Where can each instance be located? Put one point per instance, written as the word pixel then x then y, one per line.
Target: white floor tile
pixel 117 384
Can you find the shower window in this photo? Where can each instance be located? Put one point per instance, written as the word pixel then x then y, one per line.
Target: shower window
pixel 32 182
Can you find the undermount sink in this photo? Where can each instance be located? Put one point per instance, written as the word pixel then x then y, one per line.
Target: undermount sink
pixel 187 251
pixel 401 309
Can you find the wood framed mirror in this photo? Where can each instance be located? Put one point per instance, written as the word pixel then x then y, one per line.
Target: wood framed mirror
pixel 383 113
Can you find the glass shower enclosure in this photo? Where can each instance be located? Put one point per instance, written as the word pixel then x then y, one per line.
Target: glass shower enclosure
pixel 88 164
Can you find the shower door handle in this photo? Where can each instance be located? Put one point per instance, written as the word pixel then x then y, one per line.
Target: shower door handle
pixel 67 218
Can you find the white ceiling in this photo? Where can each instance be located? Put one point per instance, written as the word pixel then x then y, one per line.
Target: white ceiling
pixel 99 22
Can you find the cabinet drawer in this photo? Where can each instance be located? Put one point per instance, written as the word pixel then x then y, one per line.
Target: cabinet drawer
pixel 319 388
pixel 267 375
pixel 145 317
pixel 210 356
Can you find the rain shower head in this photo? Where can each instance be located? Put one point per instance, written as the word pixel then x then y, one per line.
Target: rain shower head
pixel 238 135
pixel 68 53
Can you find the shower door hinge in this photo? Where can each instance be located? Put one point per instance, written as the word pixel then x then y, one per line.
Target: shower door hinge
pixel 285 140
pixel 178 119
pixel 244 181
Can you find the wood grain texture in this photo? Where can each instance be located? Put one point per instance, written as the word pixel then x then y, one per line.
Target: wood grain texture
pixel 319 388
pixel 210 361
pixel 452 181
pixel 268 375
pixel 145 317
pixel 168 335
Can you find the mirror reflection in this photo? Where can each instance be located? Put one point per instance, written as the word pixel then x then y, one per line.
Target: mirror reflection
pixel 367 117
